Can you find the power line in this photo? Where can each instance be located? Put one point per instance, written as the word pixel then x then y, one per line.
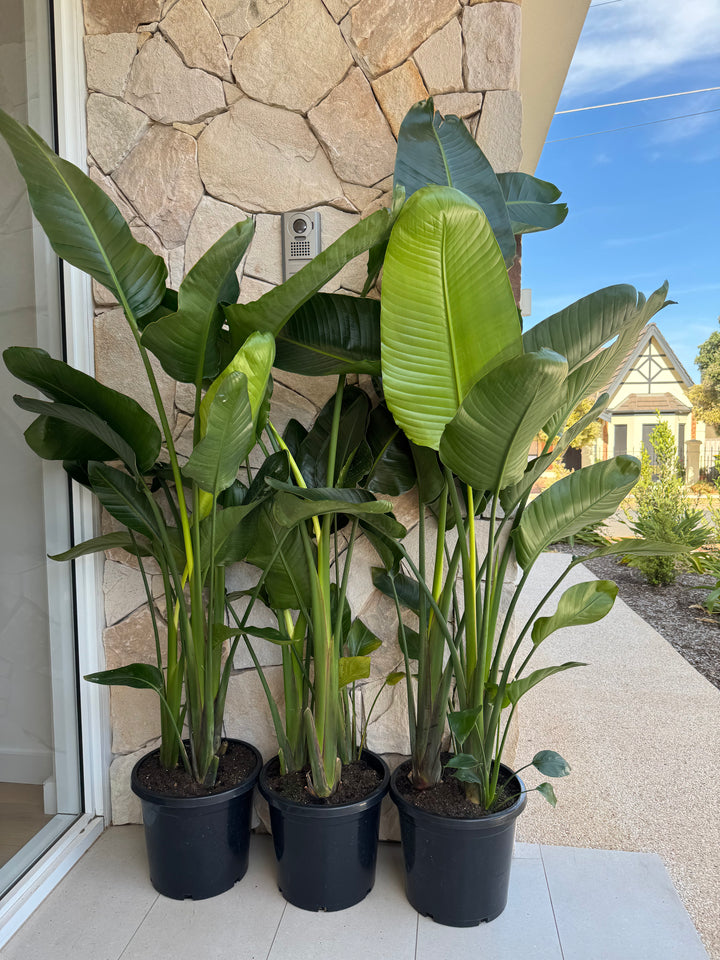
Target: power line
pixel 604 3
pixel 620 103
pixel 632 126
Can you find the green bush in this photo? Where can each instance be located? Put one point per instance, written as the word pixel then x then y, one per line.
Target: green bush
pixel 664 512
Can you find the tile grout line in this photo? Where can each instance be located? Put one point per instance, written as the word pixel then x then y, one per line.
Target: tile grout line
pixel 135 931
pixel 552 905
pixel 277 930
pixel 417 934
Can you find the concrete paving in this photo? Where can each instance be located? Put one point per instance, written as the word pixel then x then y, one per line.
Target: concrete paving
pixel 563 904
pixel 640 728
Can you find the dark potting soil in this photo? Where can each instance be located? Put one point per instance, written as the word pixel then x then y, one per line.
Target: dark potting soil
pixel 236 765
pixel 358 781
pixel 447 798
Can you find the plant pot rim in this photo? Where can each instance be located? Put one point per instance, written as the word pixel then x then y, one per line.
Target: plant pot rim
pixel 318 810
pixel 209 800
pixel 490 820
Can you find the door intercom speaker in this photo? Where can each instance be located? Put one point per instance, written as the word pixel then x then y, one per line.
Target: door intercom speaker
pixel 301 240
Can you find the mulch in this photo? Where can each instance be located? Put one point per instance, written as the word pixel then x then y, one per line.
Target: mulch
pixel 674 610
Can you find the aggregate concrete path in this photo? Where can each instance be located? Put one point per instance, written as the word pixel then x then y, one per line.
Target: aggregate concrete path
pixel 640 728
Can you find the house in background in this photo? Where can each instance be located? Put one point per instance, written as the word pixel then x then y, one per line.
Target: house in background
pixel 653 382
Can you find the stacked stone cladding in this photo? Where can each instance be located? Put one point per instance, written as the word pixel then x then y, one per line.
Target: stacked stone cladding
pixel 204 112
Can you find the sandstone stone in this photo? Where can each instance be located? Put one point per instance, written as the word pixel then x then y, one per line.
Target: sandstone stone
pixel 238 17
pixel 119 16
pixel 244 576
pixel 165 89
pixel 333 224
pixel 125 806
pixel 252 289
pixel 397 91
pixel 440 60
pixel 233 93
pixel 264 258
pixel 287 405
pixel 230 44
pixel 211 220
pixel 491 32
pixel 118 364
pixel 247 714
pixel 192 129
pixel 184 439
pixel 359 196
pixel 160 178
pixel 387 731
pixel 498 132
pixel 108 186
pixel 354 132
pixel 123 590
pixel 113 129
pixel 316 390
pixel 133 639
pixel 193 33
pixel 294 59
pixel 383 33
pixel 185 397
pixel 176 267
pixel 265 159
pixel 102 296
pixel 458 104
pixel 384 200
pixel 134 718
pixel 338 8
pixel 108 58
pixel 471 3
pixel 342 203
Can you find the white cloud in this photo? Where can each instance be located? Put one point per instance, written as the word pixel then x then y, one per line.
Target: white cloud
pixel 627 41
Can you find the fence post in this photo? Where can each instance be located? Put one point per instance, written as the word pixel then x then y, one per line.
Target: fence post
pixel 692 461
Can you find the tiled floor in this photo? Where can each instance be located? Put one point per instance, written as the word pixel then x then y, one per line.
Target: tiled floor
pixel 565 904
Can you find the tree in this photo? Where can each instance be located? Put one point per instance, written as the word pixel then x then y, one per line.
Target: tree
pixel 705 396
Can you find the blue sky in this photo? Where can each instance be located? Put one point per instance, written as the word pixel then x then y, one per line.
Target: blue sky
pixel 644 202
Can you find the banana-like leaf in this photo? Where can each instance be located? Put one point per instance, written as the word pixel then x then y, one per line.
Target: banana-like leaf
pixel 84 422
pixel 289 510
pixel 512 495
pixel 486 444
pixel 255 360
pixel 83 225
pixel 581 604
pixel 518 688
pixel 312 456
pixel 54 439
pixel 272 311
pixel 226 523
pixel 586 496
pixel 288 581
pixel 228 440
pixel 441 151
pixel 462 722
pixel 109 541
pixel 186 342
pixel 551 764
pixel 351 669
pixel 343 494
pixel 360 641
pixel 119 494
pixel 331 334
pixel 141 676
pixel 448 314
pixel 634 546
pixel 407 589
pixel 531 202
pixel 393 468
pixel 62 383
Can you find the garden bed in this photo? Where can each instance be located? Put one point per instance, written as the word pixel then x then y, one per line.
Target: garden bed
pixel 673 610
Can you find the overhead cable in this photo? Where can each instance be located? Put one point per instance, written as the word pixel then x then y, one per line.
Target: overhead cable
pixel 632 126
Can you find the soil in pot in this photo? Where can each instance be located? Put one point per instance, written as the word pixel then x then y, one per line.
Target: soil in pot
pixel 197 838
pixel 447 798
pixel 457 867
pixel 326 850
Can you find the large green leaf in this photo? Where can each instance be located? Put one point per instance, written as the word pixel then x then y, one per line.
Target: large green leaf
pixel 632 546
pixel 586 496
pixel 83 225
pixel 448 313
pixel 122 499
pixel 531 202
pixel 272 311
pixel 186 342
pixel 64 384
pixel 518 688
pixel 288 581
pixel 312 456
pixel 581 604
pixel 221 533
pixel 433 150
pixel 486 444
pixel 351 669
pixel 141 676
pixel 228 440
pixel 254 360
pixel 289 510
pixel 331 334
pixel 393 468
pixel 109 541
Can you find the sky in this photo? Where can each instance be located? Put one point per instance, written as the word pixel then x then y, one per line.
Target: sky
pixel 644 203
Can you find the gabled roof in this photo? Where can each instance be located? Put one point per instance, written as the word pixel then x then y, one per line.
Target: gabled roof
pixel 650 402
pixel 650 332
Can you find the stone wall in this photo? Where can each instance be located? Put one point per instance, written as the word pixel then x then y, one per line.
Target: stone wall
pixel 203 112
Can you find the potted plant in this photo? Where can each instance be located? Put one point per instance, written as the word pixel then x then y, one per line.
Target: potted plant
pixel 461 378
pixel 193 518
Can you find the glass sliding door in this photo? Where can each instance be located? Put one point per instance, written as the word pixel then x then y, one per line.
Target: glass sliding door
pixel 40 789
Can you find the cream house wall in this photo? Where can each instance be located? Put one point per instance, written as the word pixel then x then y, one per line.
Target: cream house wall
pixel 204 112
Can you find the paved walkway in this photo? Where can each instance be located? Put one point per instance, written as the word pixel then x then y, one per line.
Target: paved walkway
pixel 564 904
pixel 641 729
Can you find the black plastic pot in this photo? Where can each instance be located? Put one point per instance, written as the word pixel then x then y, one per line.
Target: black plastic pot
pixel 457 872
pixel 326 855
pixel 197 847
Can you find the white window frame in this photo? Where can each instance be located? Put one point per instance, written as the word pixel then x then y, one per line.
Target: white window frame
pixel 26 896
